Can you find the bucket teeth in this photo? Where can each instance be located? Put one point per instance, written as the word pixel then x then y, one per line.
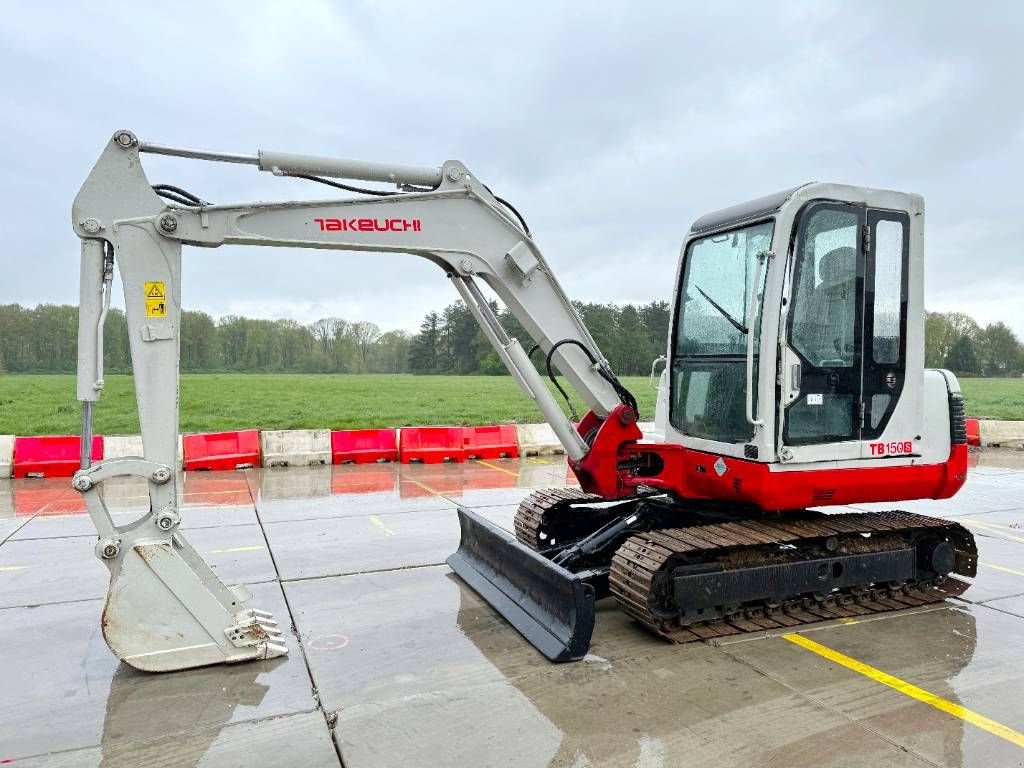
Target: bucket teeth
pixel 272 650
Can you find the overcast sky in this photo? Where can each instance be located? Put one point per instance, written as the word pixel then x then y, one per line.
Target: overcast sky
pixel 611 129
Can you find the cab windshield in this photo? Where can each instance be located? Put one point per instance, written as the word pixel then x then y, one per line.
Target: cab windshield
pixel 709 359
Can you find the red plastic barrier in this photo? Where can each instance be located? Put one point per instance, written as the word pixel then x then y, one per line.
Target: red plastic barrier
pixel 497 442
pixel 431 445
pixel 363 446
pixel 973 432
pixel 51 456
pixel 222 450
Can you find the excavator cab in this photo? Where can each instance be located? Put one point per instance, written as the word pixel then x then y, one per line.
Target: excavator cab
pixel 797 340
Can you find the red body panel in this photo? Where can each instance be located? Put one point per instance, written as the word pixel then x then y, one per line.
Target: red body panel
pixel 598 470
pixel 52 455
pixel 221 450
pixel 694 475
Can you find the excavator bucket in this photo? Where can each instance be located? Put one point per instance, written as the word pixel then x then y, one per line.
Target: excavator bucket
pixel 167 610
pixel 551 607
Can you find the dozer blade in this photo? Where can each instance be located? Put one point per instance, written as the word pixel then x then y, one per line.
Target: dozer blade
pixel 551 607
pixel 167 610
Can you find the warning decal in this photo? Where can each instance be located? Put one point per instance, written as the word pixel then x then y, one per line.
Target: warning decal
pixel 156 299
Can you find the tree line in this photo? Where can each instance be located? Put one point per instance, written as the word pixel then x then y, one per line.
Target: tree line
pixel 955 341
pixel 43 339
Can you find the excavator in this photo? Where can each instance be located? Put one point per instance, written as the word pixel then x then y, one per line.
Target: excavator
pixel 794 380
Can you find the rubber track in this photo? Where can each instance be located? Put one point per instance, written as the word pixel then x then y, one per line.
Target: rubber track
pixel 543 504
pixel 637 561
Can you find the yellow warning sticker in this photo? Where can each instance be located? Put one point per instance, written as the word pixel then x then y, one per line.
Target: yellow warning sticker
pixel 156 308
pixel 156 290
pixel 156 299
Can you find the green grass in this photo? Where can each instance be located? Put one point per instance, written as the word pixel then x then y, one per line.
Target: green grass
pixel 40 405
pixel 994 398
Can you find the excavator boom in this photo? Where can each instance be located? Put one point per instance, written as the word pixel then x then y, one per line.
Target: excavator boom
pixel 165 608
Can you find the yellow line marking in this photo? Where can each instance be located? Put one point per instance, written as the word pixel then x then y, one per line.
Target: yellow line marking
pixel 848 620
pixel 13 567
pixel 380 524
pixel 990 526
pixel 908 689
pixel 538 460
pixel 1014 571
pixel 424 486
pixel 235 549
pixel 500 469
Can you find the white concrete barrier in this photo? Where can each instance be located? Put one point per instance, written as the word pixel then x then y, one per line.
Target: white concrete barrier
pixel 6 455
pixel 537 440
pixel 1005 433
pixel 120 446
pixel 295 447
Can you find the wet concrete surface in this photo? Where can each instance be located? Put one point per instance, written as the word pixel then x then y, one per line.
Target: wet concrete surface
pixel 395 662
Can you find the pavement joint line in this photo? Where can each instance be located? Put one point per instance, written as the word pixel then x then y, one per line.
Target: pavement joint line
pixel 396 569
pixel 380 524
pixel 294 628
pixel 994 525
pixel 183 529
pixel 988 600
pixel 909 689
pixel 450 507
pixel 13 531
pixel 497 468
pixel 53 602
pixel 142 742
pixel 1003 611
pixel 996 528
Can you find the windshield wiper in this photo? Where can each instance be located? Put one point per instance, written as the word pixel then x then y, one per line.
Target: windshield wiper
pixel 732 320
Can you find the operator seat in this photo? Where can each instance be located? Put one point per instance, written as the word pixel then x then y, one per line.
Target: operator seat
pixel 832 308
pixel 825 329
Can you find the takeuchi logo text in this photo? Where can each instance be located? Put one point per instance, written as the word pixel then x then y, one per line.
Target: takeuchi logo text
pixel 368 225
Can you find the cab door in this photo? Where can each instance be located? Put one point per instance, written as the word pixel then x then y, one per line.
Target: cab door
pixel 887 248
pixel 844 362
pixel 823 359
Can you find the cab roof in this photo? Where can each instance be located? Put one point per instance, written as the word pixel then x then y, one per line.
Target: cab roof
pixel 748 211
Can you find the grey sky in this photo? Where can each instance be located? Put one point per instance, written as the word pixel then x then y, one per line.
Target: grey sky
pixel 610 127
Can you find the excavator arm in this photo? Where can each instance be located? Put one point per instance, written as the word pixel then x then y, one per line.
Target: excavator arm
pixel 165 608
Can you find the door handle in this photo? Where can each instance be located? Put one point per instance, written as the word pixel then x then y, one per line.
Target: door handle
pixel 795 376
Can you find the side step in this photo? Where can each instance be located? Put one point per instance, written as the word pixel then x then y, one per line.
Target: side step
pixel 548 605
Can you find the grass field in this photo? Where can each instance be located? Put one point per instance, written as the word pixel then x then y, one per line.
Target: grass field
pixel 39 405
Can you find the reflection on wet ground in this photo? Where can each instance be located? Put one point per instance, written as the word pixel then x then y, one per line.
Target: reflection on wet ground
pixel 395 662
